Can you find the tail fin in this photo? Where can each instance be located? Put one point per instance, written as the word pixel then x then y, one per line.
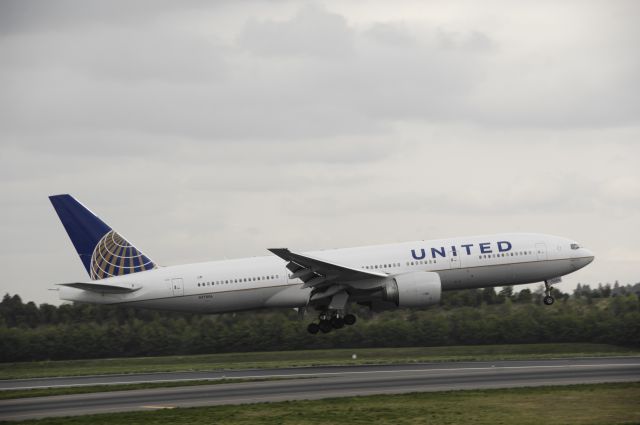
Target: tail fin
pixel 103 252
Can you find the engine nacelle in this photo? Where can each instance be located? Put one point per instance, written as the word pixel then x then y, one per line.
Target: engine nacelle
pixel 415 289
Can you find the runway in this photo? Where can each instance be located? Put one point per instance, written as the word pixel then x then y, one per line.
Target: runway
pixel 312 383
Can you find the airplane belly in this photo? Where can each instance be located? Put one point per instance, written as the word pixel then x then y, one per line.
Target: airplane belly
pixel 239 300
pixel 226 301
pixel 503 274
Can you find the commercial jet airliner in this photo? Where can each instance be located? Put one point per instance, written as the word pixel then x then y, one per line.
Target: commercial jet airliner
pixel 409 274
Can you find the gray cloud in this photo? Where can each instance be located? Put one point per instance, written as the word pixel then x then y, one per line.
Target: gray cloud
pixel 312 32
pixel 22 16
pixel 203 132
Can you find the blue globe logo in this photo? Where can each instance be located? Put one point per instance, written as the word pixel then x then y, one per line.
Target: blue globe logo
pixel 114 256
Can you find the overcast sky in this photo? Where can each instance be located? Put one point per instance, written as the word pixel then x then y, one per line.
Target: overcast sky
pixel 210 130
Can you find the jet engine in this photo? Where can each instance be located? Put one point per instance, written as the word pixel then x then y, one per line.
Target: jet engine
pixel 415 289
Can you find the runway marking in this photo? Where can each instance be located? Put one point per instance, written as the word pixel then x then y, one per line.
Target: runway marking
pixel 321 374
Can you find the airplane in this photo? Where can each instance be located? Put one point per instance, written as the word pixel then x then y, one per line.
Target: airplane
pixel 400 275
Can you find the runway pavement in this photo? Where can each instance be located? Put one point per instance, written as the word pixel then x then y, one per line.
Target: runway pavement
pixel 337 381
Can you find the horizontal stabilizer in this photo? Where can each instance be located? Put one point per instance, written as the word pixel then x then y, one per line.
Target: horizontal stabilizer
pixel 102 288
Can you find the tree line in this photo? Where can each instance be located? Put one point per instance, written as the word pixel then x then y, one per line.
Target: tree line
pixel 483 316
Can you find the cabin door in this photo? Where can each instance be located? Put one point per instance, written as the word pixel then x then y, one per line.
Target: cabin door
pixel 454 259
pixel 178 287
pixel 541 251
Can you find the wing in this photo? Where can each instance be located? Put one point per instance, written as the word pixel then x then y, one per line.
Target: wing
pixel 318 273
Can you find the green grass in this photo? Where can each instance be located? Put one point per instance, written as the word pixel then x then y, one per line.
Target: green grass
pixel 278 359
pixel 569 405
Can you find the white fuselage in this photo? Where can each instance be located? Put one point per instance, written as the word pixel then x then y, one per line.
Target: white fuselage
pixel 264 282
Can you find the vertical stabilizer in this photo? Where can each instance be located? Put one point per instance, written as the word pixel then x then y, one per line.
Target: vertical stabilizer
pixel 103 252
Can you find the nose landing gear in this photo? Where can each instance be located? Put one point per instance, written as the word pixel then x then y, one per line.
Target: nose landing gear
pixel 548 299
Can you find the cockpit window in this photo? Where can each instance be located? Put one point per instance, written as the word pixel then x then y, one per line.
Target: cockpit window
pixel 575 246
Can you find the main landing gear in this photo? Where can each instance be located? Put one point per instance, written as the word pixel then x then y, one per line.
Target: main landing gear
pixel 548 299
pixel 327 322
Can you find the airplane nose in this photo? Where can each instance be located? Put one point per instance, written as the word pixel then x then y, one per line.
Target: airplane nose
pixel 584 259
pixel 589 257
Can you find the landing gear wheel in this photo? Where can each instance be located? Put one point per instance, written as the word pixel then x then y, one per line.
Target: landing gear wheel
pixel 325 326
pixel 548 299
pixel 313 328
pixel 349 319
pixel 337 322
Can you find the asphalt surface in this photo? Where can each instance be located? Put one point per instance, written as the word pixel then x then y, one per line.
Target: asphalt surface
pixel 326 382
